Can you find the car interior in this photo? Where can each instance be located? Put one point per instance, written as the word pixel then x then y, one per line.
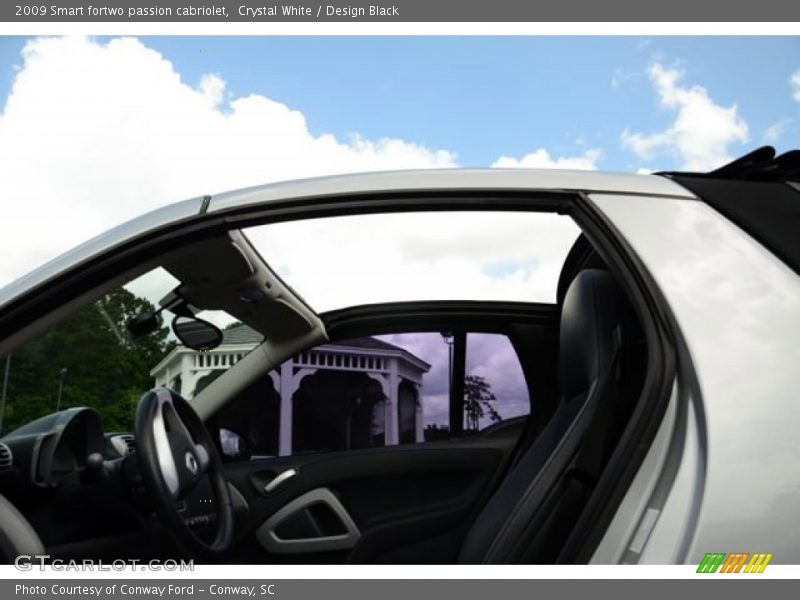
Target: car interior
pixel 538 487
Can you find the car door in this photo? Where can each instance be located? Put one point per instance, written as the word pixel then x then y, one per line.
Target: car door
pixel 399 429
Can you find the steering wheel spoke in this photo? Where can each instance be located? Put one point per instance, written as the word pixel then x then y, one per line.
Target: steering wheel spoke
pixel 203 458
pixel 163 449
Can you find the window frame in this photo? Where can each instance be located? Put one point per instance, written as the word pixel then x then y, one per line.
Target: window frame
pixel 514 321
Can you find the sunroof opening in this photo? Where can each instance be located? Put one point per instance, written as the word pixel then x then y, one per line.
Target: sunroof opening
pixel 338 262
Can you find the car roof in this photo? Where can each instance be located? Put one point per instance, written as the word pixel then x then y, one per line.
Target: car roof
pixel 410 181
pixel 437 180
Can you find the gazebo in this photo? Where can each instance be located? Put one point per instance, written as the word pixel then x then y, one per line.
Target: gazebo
pixel 364 391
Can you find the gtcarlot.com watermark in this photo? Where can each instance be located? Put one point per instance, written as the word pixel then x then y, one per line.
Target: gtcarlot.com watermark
pixel 28 562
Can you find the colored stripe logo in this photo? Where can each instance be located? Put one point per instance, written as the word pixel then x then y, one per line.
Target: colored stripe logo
pixel 736 562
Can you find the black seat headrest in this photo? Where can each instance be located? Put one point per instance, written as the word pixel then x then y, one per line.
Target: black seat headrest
pixel 596 317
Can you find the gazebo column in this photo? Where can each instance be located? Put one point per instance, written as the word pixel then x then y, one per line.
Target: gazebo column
pixel 419 416
pixel 392 425
pixel 289 384
pixel 386 388
pixel 287 390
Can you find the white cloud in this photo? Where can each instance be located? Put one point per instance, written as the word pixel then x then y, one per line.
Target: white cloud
pixel 213 87
pixel 702 131
pixel 794 81
pixel 621 77
pixel 541 159
pixel 774 132
pixel 94 134
pixel 422 256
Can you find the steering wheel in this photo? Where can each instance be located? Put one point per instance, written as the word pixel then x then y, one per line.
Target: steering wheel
pixel 17 535
pixel 174 451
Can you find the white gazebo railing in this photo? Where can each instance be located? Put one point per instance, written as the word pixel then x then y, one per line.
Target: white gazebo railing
pixel 341 360
pixel 216 360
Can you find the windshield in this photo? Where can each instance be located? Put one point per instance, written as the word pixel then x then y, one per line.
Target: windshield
pixel 91 359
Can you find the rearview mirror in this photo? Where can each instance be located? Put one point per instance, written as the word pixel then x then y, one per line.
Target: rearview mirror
pixel 197 334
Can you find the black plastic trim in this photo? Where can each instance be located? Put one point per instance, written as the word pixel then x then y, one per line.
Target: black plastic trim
pixel 365 203
pixel 397 317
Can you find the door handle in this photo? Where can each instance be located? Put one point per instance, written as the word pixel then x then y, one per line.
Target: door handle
pixel 279 480
pixel 272 542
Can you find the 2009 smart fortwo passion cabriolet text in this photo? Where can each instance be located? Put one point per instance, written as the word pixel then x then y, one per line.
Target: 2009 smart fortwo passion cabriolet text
pixel 475 366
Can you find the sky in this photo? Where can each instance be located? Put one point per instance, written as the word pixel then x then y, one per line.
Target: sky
pixel 94 131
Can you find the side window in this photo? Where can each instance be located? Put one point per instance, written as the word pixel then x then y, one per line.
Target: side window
pixel 372 392
pixel 495 389
pixel 364 393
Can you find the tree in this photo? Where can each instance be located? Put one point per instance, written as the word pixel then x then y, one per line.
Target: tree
pixel 435 432
pixel 106 367
pixel 478 402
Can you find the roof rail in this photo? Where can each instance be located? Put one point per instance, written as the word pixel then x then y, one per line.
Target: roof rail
pixel 762 164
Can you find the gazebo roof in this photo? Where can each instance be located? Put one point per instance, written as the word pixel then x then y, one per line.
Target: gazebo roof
pixel 241 334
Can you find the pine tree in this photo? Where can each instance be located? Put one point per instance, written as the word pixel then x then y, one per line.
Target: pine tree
pixel 478 402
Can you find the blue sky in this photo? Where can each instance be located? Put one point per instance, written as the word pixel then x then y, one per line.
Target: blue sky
pixel 96 131
pixel 483 97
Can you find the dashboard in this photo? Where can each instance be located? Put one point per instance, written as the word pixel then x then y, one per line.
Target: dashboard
pixel 75 482
pixel 58 449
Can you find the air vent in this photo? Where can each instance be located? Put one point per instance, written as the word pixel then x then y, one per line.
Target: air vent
pixel 123 444
pixel 5 457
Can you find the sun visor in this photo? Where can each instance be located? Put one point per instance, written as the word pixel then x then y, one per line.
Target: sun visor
pixel 227 273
